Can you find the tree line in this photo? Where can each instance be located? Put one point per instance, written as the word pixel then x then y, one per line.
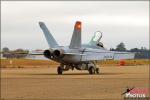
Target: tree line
pixel 18 53
pixel 142 53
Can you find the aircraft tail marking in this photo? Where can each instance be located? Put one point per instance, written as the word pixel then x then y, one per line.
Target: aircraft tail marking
pixel 50 39
pixel 76 37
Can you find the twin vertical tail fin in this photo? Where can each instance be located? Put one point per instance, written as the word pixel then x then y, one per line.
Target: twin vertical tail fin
pixel 50 39
pixel 76 37
pixel 75 41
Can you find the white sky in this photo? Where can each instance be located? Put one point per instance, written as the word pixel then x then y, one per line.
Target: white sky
pixel 120 21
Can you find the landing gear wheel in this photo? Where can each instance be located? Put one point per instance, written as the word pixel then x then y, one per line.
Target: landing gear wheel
pixel 97 70
pixel 59 70
pixel 91 70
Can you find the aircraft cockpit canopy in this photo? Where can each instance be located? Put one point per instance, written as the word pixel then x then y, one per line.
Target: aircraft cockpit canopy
pixel 96 39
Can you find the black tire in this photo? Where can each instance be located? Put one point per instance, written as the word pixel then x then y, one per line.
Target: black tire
pixel 97 70
pixel 91 70
pixel 59 70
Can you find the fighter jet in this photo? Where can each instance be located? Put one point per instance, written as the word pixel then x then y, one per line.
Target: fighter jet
pixel 79 56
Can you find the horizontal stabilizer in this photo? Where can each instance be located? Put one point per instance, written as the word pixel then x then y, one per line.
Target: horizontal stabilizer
pixel 75 54
pixel 36 55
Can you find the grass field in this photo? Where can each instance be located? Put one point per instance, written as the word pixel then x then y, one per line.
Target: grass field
pixel 133 62
pixel 20 63
pixel 23 63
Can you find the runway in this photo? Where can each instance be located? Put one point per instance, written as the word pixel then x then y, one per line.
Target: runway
pixel 44 83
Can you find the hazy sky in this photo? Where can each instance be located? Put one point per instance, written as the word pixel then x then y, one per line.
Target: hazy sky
pixel 120 21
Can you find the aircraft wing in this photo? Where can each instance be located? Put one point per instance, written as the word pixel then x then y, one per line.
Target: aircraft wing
pixel 123 55
pixel 105 55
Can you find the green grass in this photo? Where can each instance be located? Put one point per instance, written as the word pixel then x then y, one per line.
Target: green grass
pixel 42 63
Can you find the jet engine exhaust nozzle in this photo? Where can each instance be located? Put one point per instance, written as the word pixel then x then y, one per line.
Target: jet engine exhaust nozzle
pixel 58 53
pixel 47 53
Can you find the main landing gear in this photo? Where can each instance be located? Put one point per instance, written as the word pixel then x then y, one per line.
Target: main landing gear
pixel 59 70
pixel 62 68
pixel 93 70
pixel 90 67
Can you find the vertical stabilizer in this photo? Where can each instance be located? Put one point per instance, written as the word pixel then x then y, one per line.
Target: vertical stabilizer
pixel 50 39
pixel 76 37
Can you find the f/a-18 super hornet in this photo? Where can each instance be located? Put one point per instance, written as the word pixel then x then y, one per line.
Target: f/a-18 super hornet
pixel 79 56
